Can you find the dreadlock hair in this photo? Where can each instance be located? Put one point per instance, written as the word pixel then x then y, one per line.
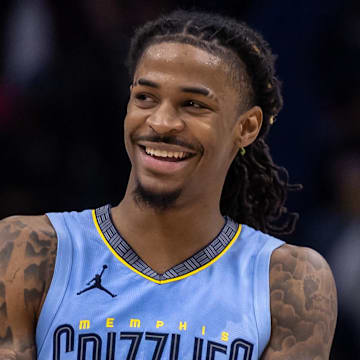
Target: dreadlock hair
pixel 255 188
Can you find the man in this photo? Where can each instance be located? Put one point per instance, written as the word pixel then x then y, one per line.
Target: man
pixel 183 279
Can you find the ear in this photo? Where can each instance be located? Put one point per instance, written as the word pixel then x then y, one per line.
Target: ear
pixel 248 126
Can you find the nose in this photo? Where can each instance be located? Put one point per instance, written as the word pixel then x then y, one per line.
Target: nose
pixel 165 119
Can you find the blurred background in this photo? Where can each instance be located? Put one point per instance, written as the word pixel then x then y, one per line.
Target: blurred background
pixel 63 95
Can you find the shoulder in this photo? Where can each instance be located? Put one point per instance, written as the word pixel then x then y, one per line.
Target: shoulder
pixel 300 264
pixel 303 304
pixel 290 255
pixel 16 227
pixel 27 237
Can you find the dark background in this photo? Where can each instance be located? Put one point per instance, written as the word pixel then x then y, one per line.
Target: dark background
pixel 63 94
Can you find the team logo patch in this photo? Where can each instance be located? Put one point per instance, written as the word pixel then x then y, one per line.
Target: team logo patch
pixel 96 280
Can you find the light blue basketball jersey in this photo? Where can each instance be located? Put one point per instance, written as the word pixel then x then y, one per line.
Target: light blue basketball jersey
pixel 105 303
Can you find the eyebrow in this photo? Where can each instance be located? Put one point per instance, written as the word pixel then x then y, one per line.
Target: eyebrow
pixel 188 89
pixel 146 82
pixel 196 90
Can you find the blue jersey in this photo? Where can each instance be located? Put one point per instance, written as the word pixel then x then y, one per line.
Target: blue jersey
pixel 106 303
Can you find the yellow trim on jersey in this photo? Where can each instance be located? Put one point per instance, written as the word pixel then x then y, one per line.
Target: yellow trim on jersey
pixel 167 280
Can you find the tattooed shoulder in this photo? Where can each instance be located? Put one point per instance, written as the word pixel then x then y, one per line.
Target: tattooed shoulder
pixel 27 258
pixel 303 305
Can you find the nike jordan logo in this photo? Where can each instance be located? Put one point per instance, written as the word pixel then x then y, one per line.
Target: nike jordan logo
pixel 96 280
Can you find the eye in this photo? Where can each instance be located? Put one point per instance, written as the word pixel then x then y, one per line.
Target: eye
pixel 143 97
pixel 144 100
pixel 197 106
pixel 194 104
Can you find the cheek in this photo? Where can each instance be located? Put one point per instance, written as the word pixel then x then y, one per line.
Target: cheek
pixel 133 120
pixel 212 136
pixel 129 128
pixel 220 149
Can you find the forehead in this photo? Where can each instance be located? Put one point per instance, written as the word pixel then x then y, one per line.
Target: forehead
pixel 177 51
pixel 185 63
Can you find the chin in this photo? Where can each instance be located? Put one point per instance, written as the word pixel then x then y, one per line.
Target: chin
pixel 159 200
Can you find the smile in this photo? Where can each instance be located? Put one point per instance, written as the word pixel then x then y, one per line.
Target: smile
pixel 167 155
pixel 158 160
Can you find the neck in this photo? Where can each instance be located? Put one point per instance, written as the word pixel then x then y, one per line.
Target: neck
pixel 164 238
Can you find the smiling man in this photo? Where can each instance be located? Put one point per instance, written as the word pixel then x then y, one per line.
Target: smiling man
pixel 186 266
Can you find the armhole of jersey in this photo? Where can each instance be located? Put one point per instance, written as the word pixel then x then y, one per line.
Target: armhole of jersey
pixel 59 282
pixel 262 291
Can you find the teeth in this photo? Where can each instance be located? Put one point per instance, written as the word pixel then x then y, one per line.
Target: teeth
pixel 165 154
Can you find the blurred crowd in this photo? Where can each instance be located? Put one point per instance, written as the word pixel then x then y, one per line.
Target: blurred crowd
pixel 63 95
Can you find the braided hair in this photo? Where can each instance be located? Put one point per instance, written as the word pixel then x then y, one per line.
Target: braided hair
pixel 255 188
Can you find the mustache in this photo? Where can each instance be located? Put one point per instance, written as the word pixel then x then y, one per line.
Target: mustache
pixel 171 140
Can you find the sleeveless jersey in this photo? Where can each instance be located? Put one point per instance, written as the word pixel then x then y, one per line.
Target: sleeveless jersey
pixel 105 303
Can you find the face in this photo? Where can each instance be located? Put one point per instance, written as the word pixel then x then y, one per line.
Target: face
pixel 181 128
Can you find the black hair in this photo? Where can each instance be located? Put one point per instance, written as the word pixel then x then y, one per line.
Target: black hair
pixel 255 188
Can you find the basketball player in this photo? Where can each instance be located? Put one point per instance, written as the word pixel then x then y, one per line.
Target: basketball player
pixel 192 268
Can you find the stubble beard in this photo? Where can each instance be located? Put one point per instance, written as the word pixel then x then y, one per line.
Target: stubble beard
pixel 154 200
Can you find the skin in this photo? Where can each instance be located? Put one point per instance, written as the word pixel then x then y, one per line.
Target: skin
pixel 27 258
pixel 212 128
pixel 303 305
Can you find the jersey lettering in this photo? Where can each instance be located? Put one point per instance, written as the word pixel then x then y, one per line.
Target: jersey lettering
pixel 63 341
pixel 135 338
pixel 135 323
pixel 241 344
pixel 68 330
pixel 161 341
pixel 174 347
pixel 110 346
pixel 212 348
pixel 110 322
pixel 159 323
pixel 84 324
pixel 84 339
pixel 198 345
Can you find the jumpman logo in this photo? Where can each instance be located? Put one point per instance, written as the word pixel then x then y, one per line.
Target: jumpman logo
pixel 97 283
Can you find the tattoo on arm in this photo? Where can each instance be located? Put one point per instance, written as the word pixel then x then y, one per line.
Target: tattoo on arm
pixel 27 258
pixel 303 306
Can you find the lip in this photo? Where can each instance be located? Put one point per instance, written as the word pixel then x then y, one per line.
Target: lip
pixel 166 147
pixel 164 167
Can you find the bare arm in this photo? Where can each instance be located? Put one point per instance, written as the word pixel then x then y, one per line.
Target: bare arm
pixel 303 305
pixel 27 258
